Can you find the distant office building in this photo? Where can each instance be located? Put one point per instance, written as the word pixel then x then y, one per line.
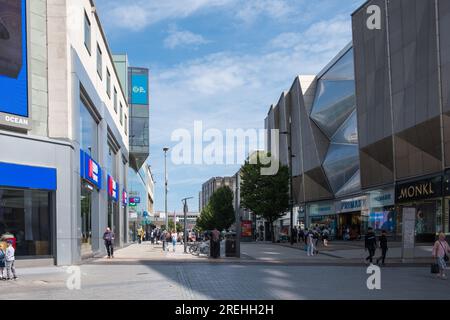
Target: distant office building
pixel 210 186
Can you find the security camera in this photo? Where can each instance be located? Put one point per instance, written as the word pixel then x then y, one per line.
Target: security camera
pixel 93 9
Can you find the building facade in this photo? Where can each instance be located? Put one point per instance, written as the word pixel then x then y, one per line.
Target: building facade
pixel 402 88
pixel 210 186
pixel 320 113
pixel 63 179
pixel 370 132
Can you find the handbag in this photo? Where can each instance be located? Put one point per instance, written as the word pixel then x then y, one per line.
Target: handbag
pixel 434 268
pixel 445 253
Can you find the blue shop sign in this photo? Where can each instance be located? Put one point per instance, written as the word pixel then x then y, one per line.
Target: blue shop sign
pixel 90 170
pixel 21 176
pixel 355 204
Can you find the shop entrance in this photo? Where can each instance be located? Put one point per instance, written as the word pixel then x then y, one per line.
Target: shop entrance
pixel 113 220
pixel 86 220
pixel 428 219
pixel 350 225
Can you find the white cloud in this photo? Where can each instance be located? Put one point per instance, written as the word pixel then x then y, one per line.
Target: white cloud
pixel 177 38
pixel 251 9
pixel 135 15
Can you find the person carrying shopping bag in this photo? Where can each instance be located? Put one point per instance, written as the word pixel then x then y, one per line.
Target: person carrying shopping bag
pixel 440 252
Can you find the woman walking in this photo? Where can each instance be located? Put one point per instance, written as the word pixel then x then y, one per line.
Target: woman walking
pixel 174 239
pixel 441 250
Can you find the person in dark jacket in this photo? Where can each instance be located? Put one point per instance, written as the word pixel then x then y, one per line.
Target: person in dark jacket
pixel 383 246
pixel 370 244
pixel 108 237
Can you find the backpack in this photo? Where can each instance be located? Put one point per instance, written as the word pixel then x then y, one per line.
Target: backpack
pixel 2 255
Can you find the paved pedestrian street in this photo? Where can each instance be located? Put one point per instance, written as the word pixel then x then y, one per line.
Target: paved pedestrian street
pixel 145 272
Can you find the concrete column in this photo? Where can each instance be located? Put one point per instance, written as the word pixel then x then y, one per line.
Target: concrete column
pixel 100 199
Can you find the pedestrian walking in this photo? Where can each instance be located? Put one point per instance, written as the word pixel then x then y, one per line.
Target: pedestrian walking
pixel 325 236
pixel 9 261
pixel 108 237
pixel 383 246
pixel 152 236
pixel 310 243
pixel 215 243
pixel 370 244
pixel 2 262
pixel 163 239
pixel 168 240
pixel 440 252
pixel 174 239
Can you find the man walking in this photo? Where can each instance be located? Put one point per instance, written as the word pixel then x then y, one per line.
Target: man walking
pixel 215 244
pixel 108 237
pixel 383 246
pixel 370 244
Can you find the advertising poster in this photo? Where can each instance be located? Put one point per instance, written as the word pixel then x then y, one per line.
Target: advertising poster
pixel 13 63
pixel 246 229
pixel 139 88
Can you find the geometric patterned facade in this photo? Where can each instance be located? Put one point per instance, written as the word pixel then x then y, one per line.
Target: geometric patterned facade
pixel 323 117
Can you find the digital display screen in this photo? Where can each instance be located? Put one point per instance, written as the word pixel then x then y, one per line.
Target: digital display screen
pixel 13 58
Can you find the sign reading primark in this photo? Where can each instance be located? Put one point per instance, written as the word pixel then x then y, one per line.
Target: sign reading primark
pixel 423 189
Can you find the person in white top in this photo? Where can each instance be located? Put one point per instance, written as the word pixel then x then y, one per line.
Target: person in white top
pixel 174 239
pixel 9 261
pixel 310 242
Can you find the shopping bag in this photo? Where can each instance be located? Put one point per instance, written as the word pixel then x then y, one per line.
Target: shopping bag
pixel 434 268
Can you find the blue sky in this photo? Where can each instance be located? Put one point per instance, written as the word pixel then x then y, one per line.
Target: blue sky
pixel 223 62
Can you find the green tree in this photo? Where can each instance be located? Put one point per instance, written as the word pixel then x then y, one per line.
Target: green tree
pixel 219 212
pixel 265 195
pixel 172 227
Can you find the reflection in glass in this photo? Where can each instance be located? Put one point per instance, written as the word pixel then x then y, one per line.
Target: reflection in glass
pixel 26 215
pixel 88 131
pixel 334 102
pixel 351 186
pixel 343 69
pixel 341 164
pixel 348 132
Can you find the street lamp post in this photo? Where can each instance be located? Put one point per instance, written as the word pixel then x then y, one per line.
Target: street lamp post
pixel 165 186
pixel 185 211
pixel 291 193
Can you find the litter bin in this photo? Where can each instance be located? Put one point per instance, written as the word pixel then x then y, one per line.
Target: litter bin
pixel 230 245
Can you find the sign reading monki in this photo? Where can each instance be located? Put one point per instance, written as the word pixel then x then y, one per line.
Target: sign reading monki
pixel 416 190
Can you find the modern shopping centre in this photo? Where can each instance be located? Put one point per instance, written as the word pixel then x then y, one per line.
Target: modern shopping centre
pixel 371 131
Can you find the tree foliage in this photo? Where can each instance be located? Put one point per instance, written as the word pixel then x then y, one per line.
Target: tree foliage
pixel 265 195
pixel 219 212
pixel 172 227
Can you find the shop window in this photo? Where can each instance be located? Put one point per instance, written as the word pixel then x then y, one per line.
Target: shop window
pixel 87 33
pixel 25 214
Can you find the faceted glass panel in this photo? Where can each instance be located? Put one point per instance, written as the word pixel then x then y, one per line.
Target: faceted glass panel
pixel 343 69
pixel 335 101
pixel 341 164
pixel 352 186
pixel 348 132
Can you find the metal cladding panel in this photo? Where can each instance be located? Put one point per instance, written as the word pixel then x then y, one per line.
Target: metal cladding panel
pixel 284 127
pixel 295 95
